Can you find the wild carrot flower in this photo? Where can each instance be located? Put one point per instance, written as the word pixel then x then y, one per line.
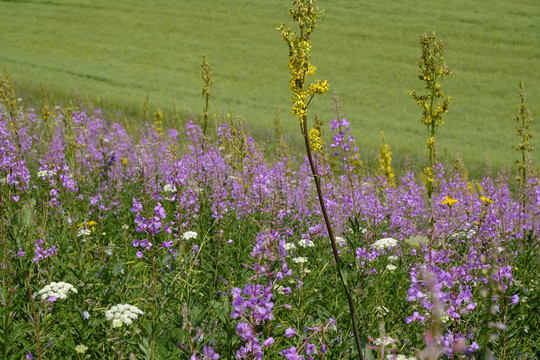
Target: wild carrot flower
pixel 81 349
pixel 123 314
pixel 56 290
pixel 385 243
pixel 188 235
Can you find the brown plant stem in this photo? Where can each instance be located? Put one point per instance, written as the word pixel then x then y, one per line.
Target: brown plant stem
pixel 317 179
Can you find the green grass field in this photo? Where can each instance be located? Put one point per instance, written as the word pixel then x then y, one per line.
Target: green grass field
pixel 117 52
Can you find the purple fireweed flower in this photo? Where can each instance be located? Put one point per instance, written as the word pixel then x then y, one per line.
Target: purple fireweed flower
pixel 514 299
pixel 42 253
pixel 268 342
pixel 290 332
pixel 416 316
pixel 137 206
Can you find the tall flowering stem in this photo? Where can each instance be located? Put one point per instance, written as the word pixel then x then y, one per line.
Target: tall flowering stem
pixel 306 14
pixel 433 69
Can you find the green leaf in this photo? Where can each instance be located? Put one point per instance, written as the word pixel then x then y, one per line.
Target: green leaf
pixel 27 213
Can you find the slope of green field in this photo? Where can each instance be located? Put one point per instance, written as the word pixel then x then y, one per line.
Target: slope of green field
pixel 118 52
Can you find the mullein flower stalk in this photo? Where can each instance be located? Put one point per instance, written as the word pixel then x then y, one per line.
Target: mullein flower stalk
pixel 306 14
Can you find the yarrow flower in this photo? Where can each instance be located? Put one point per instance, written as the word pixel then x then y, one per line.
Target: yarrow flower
pixel 304 243
pixel 386 341
pixel 123 314
pixel 385 243
pixel 83 232
pixel 188 235
pixel 300 260
pixel 169 188
pixel 45 173
pixel 81 349
pixel 289 246
pixel 400 357
pixel 391 267
pixel 56 290
pixel 341 242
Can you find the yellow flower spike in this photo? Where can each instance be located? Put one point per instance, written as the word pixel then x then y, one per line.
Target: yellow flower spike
pixel 315 141
pixel 430 143
pixel 448 201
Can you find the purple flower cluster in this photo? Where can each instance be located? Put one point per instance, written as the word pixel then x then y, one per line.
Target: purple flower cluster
pixel 253 305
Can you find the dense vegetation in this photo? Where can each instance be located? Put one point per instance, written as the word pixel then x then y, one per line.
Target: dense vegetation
pixel 116 53
pixel 183 238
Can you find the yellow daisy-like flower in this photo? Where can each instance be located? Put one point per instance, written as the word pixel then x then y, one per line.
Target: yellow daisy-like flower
pixel 486 199
pixel 448 201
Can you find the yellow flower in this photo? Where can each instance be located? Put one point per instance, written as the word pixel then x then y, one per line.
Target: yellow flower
pixel 319 88
pixel 315 140
pixel 486 199
pixel 430 143
pixel 448 201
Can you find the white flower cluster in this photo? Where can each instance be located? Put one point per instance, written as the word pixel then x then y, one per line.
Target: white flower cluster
pixel 123 314
pixel 341 242
pixel 393 258
pixel 83 232
pixel 188 235
pixel 391 267
pixel 45 173
pixel 385 243
pixel 386 341
pixel 169 188
pixel 300 260
pixel 399 357
pixel 59 290
pixel 304 243
pixel 289 246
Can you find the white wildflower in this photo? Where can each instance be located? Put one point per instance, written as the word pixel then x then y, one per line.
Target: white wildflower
pixel 341 242
pixel 305 243
pixel 289 246
pixel 123 314
pixel 188 235
pixel 385 243
pixel 81 349
pixel 393 258
pixel 386 341
pixel 391 267
pixel 169 188
pixel 399 357
pixel 59 290
pixel 125 227
pixel 83 232
pixel 45 173
pixel 300 260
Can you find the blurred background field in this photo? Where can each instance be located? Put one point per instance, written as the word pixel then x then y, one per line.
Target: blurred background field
pixel 116 53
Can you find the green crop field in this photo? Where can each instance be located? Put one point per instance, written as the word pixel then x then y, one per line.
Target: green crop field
pixel 116 53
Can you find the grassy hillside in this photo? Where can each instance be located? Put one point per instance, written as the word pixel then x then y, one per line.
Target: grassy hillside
pixel 118 52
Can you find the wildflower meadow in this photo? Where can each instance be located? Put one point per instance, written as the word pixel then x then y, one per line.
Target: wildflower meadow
pixel 194 242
